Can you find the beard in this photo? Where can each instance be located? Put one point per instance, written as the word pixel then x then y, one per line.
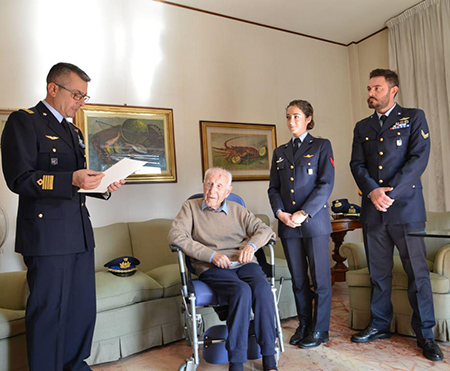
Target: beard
pixel 380 103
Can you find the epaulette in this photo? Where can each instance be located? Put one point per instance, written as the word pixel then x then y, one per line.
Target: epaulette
pixel 27 111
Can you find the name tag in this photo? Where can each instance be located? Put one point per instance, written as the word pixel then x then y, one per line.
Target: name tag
pixel 310 171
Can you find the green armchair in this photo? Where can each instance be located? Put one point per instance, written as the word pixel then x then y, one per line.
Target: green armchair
pixel 438 256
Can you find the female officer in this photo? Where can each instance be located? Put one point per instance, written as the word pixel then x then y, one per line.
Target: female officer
pixel 301 181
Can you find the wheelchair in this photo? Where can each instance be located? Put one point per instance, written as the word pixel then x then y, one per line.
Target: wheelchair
pixel 196 294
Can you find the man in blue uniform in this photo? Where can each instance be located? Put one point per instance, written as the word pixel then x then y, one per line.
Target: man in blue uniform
pixel 390 152
pixel 44 163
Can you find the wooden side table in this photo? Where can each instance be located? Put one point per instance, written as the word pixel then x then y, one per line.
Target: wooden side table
pixel 340 229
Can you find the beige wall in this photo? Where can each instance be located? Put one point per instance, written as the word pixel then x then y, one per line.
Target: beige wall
pixel 146 53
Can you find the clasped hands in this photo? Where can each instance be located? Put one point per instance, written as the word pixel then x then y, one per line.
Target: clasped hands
pixel 380 199
pixel 292 220
pixel 90 179
pixel 245 256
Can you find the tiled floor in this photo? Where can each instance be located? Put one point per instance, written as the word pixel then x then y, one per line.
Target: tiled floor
pixel 339 354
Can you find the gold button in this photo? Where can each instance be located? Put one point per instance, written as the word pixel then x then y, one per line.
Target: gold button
pixel 381 139
pixel 398 133
pixel 292 179
pixel 277 167
pixel 82 204
pixel 380 167
pixel 309 163
pixel 381 153
pixel 325 206
pixel 292 191
pixel 367 138
pixel 292 166
pixel 414 186
pixel 54 149
pixel 293 202
pixel 380 181
pixel 40 215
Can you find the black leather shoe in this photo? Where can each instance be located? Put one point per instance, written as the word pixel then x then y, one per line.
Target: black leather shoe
pixel 431 350
pixel 370 334
pixel 299 335
pixel 314 339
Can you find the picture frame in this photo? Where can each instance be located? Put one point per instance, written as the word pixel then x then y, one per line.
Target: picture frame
pixel 143 133
pixel 243 149
pixel 4 114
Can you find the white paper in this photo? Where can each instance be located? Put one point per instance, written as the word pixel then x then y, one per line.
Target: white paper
pixel 121 170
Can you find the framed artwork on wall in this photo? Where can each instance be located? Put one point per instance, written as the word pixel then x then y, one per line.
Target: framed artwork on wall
pixel 4 113
pixel 243 149
pixel 112 133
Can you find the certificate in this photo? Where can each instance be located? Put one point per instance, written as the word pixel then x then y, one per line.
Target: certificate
pixel 118 171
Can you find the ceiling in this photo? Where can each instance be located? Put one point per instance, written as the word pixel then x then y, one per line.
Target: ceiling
pixel 340 21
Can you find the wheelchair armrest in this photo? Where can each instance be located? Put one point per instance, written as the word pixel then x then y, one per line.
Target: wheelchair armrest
pixel 183 275
pixel 174 248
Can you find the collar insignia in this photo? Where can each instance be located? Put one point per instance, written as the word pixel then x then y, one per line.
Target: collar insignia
pixel 51 137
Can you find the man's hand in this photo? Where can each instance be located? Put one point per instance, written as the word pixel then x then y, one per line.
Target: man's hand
pixel 298 217
pixel 286 218
pixel 221 261
pixel 381 201
pixel 246 255
pixel 87 179
pixel 116 185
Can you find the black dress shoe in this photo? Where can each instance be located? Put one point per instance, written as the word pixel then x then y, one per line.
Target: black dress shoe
pixel 370 334
pixel 431 350
pixel 299 335
pixel 314 339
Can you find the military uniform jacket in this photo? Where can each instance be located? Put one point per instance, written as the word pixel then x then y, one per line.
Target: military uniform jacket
pixel 39 159
pixel 394 155
pixel 303 182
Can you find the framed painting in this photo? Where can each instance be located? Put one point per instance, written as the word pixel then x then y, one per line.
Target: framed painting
pixel 4 113
pixel 243 149
pixel 112 133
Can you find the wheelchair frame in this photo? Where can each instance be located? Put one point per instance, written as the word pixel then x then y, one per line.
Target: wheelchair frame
pixel 193 321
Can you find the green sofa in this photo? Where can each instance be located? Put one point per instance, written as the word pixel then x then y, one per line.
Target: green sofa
pixel 438 256
pixel 133 313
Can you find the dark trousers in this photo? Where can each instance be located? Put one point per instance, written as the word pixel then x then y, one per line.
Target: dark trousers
pixel 61 310
pixel 311 252
pixel 379 241
pixel 245 288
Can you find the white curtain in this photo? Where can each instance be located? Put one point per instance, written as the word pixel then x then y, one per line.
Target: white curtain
pixel 419 51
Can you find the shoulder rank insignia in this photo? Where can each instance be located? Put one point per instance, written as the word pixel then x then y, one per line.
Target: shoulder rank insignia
pixel 51 137
pixel 27 111
pixel 425 136
pixel 46 182
pixel 308 156
pixel 281 159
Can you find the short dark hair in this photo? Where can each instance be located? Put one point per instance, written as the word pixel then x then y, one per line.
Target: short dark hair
pixel 390 76
pixel 63 70
pixel 306 108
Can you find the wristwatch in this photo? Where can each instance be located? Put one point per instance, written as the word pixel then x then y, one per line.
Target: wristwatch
pixel 304 213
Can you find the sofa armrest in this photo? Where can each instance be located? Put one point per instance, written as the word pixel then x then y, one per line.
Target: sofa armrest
pixel 442 261
pixel 355 254
pixel 14 290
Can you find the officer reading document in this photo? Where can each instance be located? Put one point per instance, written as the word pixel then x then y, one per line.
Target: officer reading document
pixel 390 153
pixel 44 163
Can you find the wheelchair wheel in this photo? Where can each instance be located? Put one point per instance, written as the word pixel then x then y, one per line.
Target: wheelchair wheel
pixel 188 365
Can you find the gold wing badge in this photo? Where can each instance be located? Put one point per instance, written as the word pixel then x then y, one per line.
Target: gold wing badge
pixel 425 136
pixel 51 137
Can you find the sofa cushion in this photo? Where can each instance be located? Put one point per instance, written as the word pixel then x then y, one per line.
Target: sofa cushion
pixel 168 276
pixel 115 292
pixel 111 242
pixel 13 290
pixel 12 323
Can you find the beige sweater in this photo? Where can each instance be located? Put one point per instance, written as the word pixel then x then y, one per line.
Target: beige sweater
pixel 199 233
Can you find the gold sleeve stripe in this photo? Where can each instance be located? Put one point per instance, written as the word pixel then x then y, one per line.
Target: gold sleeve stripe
pixel 46 182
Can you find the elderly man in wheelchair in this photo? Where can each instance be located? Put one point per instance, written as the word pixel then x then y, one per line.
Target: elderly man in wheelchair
pixel 221 239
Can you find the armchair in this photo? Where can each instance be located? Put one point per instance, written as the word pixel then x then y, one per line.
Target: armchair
pixel 438 257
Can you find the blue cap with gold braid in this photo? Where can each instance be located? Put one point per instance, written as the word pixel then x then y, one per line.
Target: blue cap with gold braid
pixel 124 266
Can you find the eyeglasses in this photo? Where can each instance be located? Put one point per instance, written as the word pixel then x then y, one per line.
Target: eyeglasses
pixel 75 94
